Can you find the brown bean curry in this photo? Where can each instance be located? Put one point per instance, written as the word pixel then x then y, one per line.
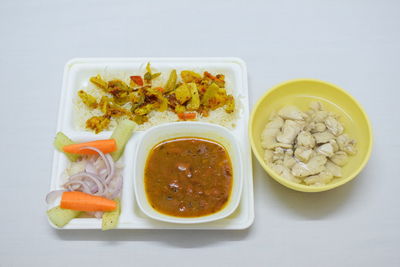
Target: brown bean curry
pixel 188 177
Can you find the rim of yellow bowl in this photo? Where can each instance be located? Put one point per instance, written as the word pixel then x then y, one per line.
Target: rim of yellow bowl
pixel 301 187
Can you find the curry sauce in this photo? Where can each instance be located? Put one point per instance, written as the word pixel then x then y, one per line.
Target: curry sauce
pixel 188 177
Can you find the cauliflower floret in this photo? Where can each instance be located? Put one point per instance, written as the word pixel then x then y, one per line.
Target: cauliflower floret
pixel 98 123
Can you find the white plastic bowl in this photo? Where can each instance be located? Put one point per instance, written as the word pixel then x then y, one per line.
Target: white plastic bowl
pixel 188 129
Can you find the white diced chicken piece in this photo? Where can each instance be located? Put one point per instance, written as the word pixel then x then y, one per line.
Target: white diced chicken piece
pixel 310 114
pixel 326 150
pixel 275 123
pixel 309 127
pixel 315 105
pixel 300 169
pixel 333 168
pixel 319 179
pixel 320 116
pixel 288 160
pixel 305 139
pixel 282 145
pixel 323 137
pixel 315 165
pixel 319 127
pixel 334 126
pixel 268 154
pixel 289 132
pixel 334 145
pixel 303 154
pixel 340 158
pixel 278 154
pixel 277 168
pixel 292 113
pixel 346 144
pixel 268 140
pixel 342 140
pixel 285 173
pixel 271 130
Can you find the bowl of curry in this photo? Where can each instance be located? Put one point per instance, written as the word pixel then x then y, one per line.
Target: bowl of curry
pixel 188 172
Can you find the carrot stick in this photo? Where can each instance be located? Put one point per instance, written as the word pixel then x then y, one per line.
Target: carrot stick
pixel 80 201
pixel 106 146
pixel 187 116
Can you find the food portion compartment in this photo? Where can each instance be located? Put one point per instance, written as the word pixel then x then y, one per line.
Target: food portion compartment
pixel 171 132
pixel 96 180
pixel 79 72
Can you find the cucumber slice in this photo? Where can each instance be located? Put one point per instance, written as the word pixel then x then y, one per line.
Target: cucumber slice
pixel 62 140
pixel 122 133
pixel 110 218
pixel 61 217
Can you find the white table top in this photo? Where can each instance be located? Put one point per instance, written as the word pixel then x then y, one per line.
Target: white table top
pixel 354 44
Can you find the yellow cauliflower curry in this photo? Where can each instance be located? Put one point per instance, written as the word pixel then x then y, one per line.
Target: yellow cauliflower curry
pixel 192 95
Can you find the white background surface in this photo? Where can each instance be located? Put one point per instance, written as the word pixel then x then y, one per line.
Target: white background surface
pixel 354 44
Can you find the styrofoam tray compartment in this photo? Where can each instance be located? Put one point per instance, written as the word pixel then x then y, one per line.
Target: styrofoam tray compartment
pixel 76 76
pixel 168 131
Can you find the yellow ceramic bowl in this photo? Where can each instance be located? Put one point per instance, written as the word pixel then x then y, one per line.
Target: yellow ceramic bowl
pixel 300 93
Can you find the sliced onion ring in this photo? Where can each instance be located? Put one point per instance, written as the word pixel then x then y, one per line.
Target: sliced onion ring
pixel 95 180
pixel 85 187
pixel 118 188
pixel 107 160
pixel 112 168
pixel 101 186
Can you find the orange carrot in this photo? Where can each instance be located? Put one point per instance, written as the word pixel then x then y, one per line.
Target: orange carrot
pixel 160 89
pixel 212 77
pixel 137 79
pixel 105 146
pixel 187 116
pixel 80 201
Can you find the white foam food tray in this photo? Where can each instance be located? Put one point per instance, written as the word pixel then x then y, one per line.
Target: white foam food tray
pixel 76 76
